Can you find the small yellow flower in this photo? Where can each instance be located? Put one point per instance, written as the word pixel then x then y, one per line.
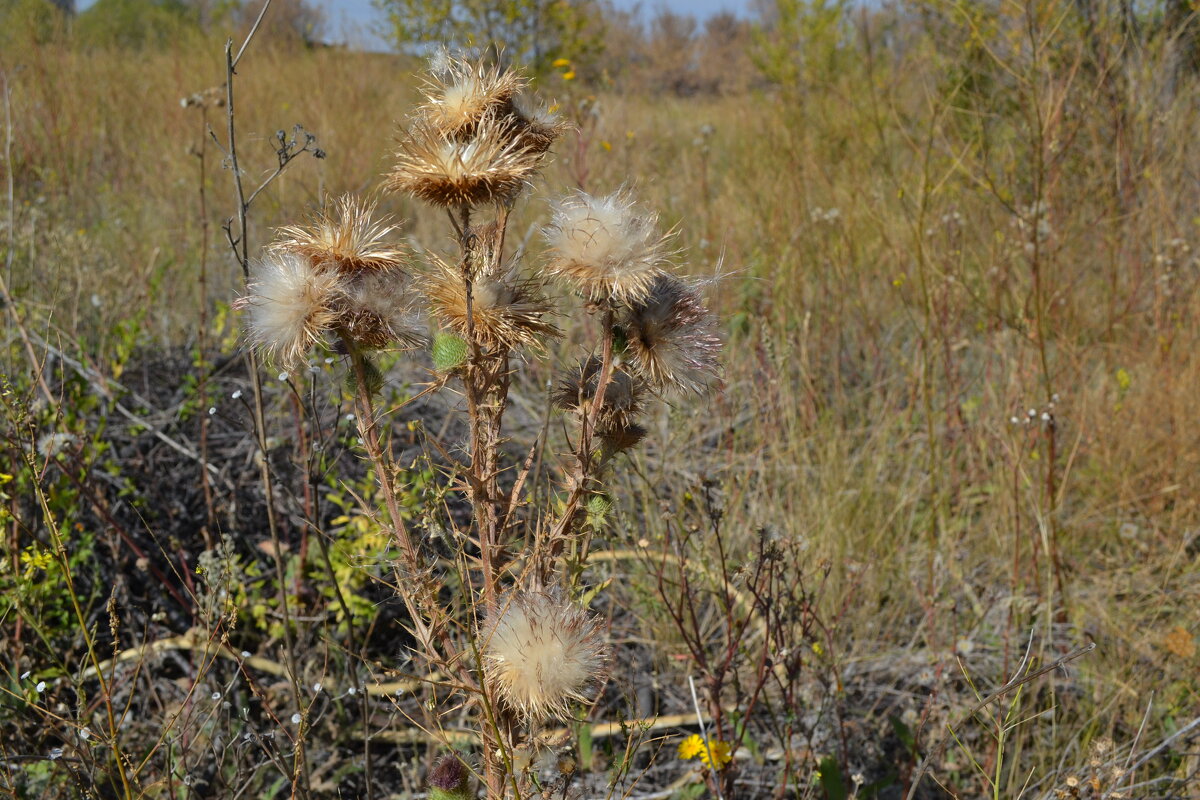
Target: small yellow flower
pixel 35 560
pixel 569 75
pixel 691 747
pixel 559 63
pixel 716 755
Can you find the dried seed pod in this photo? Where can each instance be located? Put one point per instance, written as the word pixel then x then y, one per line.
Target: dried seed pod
pixel 622 396
pixel 534 126
pixel 671 337
pixel 541 653
pixel 491 167
pixel 377 312
pixel 459 94
pixel 507 309
pixel 346 237
pixel 606 247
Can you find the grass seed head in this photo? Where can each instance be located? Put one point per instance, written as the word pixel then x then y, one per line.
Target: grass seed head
pixel 542 653
pixel 606 247
pixel 671 337
pixel 290 304
pixel 347 237
pixel 491 167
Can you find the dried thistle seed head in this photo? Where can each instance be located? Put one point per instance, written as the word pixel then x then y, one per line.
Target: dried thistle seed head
pixel 534 126
pixel 345 236
pixel 622 396
pixel 606 247
pixel 507 309
pixel 671 337
pixel 542 653
pixel 377 312
pixel 491 167
pixel 619 439
pixel 460 93
pixel 290 304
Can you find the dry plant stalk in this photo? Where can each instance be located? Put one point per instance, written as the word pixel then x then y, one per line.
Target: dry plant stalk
pixel 526 652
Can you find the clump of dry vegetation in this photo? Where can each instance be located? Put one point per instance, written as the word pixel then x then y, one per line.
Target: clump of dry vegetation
pixel 950 445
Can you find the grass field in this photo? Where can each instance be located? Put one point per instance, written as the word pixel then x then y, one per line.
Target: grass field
pixel 955 439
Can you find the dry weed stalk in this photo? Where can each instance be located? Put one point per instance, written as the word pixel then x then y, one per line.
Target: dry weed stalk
pixel 525 651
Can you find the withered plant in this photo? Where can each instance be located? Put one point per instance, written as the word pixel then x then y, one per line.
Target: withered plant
pixel 500 623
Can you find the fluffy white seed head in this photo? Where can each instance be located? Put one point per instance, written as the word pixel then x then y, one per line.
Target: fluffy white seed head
pixel 605 246
pixel 290 304
pixel 541 654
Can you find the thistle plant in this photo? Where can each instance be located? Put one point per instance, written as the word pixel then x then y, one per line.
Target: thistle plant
pixel 515 649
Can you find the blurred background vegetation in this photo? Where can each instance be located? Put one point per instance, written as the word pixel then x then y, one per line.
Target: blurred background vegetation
pixel 959 247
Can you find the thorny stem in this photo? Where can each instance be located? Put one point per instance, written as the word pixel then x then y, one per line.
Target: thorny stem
pixel 581 477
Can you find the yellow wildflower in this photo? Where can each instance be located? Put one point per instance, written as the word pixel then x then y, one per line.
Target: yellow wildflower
pixel 716 755
pixel 691 747
pixel 559 63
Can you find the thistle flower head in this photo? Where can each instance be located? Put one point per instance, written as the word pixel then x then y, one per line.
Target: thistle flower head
pixel 534 126
pixel 670 337
pixel 542 653
pixel 449 779
pixel 377 312
pixel 606 246
pixel 507 308
pixel 490 167
pixel 290 305
pixel 346 237
pixel 622 398
pixel 460 93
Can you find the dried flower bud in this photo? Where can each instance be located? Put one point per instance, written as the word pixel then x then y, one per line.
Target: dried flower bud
pixel 606 246
pixel 291 304
pixel 541 654
pixel 460 94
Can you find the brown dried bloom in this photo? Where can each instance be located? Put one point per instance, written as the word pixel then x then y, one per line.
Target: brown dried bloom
pixel 348 238
pixel 542 653
pixel 491 167
pixel 671 337
pixel 534 126
pixel 377 312
pixel 507 309
pixel 460 94
pixel 622 397
pixel 290 304
pixel 606 246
